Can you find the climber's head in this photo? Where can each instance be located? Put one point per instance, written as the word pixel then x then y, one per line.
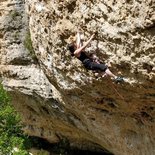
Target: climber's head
pixel 72 48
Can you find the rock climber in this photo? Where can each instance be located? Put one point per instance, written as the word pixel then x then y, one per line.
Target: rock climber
pixel 90 63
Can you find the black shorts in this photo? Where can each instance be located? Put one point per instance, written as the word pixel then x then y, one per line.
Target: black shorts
pixel 90 65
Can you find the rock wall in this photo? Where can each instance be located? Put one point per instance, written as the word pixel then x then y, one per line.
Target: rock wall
pixel 57 97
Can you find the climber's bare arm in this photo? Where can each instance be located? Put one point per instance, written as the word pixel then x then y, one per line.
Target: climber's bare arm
pixel 79 50
pixel 78 40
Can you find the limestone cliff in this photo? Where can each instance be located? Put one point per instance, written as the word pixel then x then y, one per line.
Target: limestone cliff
pixel 57 97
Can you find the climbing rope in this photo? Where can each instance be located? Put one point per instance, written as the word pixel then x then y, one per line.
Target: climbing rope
pixel 113 86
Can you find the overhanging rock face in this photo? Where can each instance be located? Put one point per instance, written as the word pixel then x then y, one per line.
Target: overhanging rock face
pixel 57 97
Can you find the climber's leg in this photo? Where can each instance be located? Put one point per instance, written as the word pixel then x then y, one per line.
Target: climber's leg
pixel 109 73
pixel 102 67
pixel 117 79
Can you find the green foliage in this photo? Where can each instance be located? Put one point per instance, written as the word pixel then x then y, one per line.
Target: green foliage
pixel 11 135
pixel 28 44
pixel 4 99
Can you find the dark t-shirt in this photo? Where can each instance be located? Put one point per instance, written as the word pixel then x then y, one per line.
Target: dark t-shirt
pixel 83 57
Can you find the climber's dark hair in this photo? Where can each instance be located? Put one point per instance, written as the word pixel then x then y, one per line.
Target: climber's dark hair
pixel 71 48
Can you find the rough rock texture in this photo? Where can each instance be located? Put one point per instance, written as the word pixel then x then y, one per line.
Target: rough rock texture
pixel 57 97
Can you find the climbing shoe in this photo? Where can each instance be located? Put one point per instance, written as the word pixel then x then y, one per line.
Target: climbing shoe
pixel 119 79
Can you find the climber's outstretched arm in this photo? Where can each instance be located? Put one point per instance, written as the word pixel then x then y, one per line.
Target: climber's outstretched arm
pixel 78 40
pixel 79 50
